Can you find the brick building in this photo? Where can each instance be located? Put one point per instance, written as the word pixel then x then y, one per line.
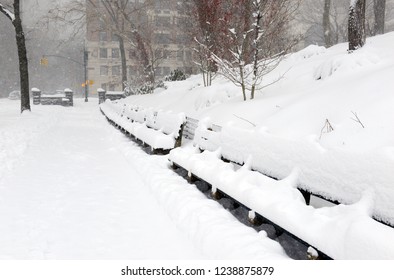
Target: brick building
pixel 161 25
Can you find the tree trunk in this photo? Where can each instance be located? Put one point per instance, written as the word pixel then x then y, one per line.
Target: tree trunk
pixel 242 81
pixel 123 60
pixel 327 24
pixel 379 9
pixel 23 64
pixel 356 26
pixel 256 55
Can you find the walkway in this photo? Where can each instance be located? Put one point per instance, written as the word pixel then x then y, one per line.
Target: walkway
pixel 72 195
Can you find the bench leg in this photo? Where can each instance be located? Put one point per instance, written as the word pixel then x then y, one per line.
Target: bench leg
pixel 306 195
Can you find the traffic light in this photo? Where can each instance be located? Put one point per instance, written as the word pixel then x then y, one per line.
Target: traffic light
pixel 44 61
pixel 88 82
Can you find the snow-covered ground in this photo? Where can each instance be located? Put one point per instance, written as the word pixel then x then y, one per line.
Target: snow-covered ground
pixel 325 126
pixel 72 187
pixel 329 117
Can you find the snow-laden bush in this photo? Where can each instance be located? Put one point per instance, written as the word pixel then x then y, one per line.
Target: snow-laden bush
pixel 176 75
pixel 148 88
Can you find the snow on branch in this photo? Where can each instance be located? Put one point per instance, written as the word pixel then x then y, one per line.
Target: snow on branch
pixel 7 12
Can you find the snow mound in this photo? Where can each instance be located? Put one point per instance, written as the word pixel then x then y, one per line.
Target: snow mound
pixel 310 51
pixel 346 63
pixel 214 95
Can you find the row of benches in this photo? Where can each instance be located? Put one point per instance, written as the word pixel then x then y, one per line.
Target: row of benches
pixel 340 232
pixel 162 131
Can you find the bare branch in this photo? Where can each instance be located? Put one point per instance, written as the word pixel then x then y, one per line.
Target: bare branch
pixel 327 128
pixel 244 120
pixel 7 13
pixel 357 119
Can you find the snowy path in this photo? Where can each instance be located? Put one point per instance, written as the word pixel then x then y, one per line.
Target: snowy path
pixel 73 196
pixel 74 187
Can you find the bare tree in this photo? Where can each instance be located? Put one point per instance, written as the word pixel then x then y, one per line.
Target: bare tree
pixel 379 8
pixel 356 25
pixel 258 42
pixel 325 21
pixel 327 24
pixel 208 30
pixel 118 17
pixel 16 20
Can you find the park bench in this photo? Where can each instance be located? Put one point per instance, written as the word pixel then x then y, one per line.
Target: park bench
pixel 232 163
pixel 161 130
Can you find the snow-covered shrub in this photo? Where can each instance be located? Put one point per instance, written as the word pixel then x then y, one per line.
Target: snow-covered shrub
pixel 176 75
pixel 148 87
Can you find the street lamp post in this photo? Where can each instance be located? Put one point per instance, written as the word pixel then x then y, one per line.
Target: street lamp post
pixel 85 62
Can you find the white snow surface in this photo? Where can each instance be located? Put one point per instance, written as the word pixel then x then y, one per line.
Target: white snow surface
pixel 342 232
pixel 158 129
pixel 326 127
pixel 286 126
pixel 73 187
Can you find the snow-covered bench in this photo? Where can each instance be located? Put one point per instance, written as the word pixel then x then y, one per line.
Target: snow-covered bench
pixel 162 131
pixel 341 231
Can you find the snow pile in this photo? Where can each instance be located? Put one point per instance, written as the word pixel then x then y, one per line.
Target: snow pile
pixel 212 228
pixel 310 51
pixel 113 110
pixel 337 231
pixel 188 96
pixel 16 137
pixel 346 63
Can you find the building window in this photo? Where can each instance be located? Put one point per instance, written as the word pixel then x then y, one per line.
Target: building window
pixel 188 55
pixel 163 21
pixel 103 36
pixel 115 53
pixel 179 55
pixel 103 70
pixel 181 39
pixel 166 54
pixel 162 4
pixel 103 53
pixel 163 39
pixel 115 70
pixel 111 87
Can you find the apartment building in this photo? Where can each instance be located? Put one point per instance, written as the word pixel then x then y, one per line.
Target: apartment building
pixel 161 25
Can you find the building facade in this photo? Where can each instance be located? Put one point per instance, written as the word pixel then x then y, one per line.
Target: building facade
pixel 161 26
